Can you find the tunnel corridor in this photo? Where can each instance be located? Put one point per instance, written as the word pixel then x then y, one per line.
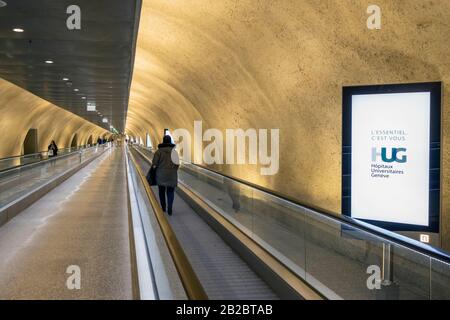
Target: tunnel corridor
pixel 305 142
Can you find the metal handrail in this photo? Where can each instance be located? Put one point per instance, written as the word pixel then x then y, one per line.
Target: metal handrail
pixel 22 155
pixel 377 231
pixel 35 163
pixel 189 279
pixel 42 152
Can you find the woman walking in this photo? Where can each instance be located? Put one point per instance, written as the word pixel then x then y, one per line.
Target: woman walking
pixel 52 149
pixel 166 162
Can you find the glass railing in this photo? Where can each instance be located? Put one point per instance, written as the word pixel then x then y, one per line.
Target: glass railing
pixel 19 181
pixel 17 161
pixel 340 258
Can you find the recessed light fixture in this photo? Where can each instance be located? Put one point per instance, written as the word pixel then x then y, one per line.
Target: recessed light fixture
pixel 65 79
pixel 2 4
pixel 105 120
pixel 18 30
pixel 83 98
pixel 49 61
pixel 76 90
pixel 91 106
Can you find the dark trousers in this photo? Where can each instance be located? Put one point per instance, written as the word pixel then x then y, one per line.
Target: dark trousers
pixel 170 191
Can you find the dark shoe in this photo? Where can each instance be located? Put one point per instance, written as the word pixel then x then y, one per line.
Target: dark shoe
pixel 163 209
pixel 170 212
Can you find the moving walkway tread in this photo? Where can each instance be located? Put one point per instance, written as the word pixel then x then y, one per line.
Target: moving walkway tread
pixel 222 272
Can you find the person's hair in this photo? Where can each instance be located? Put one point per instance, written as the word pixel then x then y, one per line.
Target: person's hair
pixel 167 139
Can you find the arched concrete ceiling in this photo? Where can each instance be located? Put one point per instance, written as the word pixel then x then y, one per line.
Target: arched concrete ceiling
pixel 281 64
pixel 21 110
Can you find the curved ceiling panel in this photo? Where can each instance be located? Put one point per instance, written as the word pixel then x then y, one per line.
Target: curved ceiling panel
pixel 20 111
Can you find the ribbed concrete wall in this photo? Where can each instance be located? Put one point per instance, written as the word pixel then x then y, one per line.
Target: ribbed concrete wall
pixel 20 111
pixel 282 64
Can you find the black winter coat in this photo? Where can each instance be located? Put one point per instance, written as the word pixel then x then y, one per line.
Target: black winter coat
pixel 166 169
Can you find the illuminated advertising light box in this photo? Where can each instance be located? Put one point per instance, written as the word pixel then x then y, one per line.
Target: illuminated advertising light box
pixel 391 155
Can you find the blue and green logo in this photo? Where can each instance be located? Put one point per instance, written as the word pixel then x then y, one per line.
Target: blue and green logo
pixel 396 155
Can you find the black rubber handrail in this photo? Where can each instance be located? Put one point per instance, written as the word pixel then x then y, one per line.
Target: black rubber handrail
pixel 388 235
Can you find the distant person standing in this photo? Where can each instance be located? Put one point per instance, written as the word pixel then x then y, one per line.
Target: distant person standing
pixel 166 162
pixel 52 149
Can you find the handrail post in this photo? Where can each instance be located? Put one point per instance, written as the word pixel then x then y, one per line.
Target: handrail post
pixel 387 275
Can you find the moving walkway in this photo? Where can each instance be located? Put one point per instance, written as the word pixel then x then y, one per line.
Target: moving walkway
pixel 25 179
pixel 78 229
pixel 223 274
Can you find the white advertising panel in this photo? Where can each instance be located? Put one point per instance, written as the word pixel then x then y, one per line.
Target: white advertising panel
pixel 390 159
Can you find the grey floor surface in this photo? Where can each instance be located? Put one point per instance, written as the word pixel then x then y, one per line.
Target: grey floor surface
pixel 82 222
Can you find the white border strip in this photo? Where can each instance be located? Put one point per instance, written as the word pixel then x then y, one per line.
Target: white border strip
pixel 146 288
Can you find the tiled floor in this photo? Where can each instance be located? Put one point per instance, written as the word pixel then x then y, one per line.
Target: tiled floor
pixel 82 222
